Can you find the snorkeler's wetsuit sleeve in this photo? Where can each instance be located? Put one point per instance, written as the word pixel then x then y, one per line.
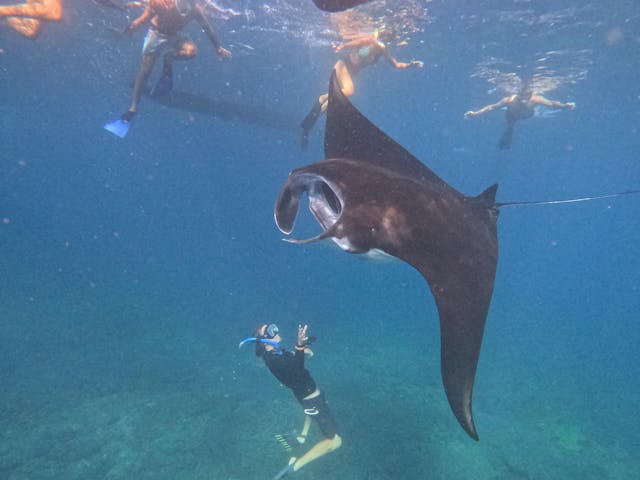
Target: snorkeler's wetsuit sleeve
pixel 299 356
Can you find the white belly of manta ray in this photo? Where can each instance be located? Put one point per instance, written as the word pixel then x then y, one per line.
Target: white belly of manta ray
pixel 373 255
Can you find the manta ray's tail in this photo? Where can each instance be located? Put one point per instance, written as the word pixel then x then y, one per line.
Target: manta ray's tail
pixel 569 200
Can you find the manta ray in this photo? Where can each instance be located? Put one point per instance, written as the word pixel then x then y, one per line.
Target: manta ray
pixel 337 5
pixel 370 194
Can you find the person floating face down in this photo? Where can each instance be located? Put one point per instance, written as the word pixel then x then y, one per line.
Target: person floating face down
pixel 27 17
pixel 362 51
pixel 167 18
pixel 518 107
pixel 288 368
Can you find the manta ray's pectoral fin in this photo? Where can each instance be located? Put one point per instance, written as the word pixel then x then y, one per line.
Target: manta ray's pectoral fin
pixel 462 285
pixel 462 309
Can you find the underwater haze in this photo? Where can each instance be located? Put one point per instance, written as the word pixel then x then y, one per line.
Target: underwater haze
pixel 130 269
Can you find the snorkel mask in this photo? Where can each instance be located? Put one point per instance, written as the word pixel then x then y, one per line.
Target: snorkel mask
pixel 263 338
pixel 271 331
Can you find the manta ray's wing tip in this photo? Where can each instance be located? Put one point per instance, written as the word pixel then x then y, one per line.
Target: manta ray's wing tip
pixel 470 428
pixel 460 403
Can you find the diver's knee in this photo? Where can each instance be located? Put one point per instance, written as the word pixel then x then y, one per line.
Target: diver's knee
pixel 188 50
pixel 148 61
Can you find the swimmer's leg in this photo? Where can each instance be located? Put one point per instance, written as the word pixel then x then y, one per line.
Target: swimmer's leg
pixel 344 78
pixel 346 85
pixel 310 120
pixel 323 100
pixel 185 50
pixel 319 449
pixel 507 137
pixel 27 27
pixel 305 430
pixel 38 9
pixel 164 85
pixel 148 60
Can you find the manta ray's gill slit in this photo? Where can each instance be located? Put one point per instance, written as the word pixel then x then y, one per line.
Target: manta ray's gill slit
pixel 331 199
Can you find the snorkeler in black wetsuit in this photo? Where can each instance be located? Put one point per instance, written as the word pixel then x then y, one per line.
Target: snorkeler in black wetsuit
pixel 288 368
pixel 519 107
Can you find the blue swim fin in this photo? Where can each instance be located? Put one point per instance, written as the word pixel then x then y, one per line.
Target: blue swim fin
pixel 121 126
pixel 118 127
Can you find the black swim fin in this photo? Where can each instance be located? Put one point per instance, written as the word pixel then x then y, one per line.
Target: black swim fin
pixel 164 86
pixel 506 138
pixel 283 473
pixel 312 117
pixel 307 124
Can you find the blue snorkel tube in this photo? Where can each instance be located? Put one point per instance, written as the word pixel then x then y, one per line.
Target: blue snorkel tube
pixel 267 341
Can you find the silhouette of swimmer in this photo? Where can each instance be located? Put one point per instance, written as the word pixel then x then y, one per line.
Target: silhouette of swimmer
pixel 337 5
pixel 167 18
pixel 518 107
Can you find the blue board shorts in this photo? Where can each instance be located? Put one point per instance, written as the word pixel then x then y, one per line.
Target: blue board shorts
pixel 156 42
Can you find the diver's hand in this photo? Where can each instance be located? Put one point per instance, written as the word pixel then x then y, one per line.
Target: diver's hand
pixel 128 30
pixel 571 105
pixel 416 63
pixel 302 335
pixel 469 114
pixel 223 53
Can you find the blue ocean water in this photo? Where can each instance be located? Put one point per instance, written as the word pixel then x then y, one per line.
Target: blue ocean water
pixel 131 268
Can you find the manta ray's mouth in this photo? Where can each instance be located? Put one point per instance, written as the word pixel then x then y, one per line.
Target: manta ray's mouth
pixel 324 202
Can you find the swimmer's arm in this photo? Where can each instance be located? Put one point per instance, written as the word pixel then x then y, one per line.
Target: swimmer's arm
pixel 210 32
pixel 488 108
pixel 540 100
pixel 223 11
pixel 401 65
pixel 134 4
pixel 301 344
pixel 145 16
